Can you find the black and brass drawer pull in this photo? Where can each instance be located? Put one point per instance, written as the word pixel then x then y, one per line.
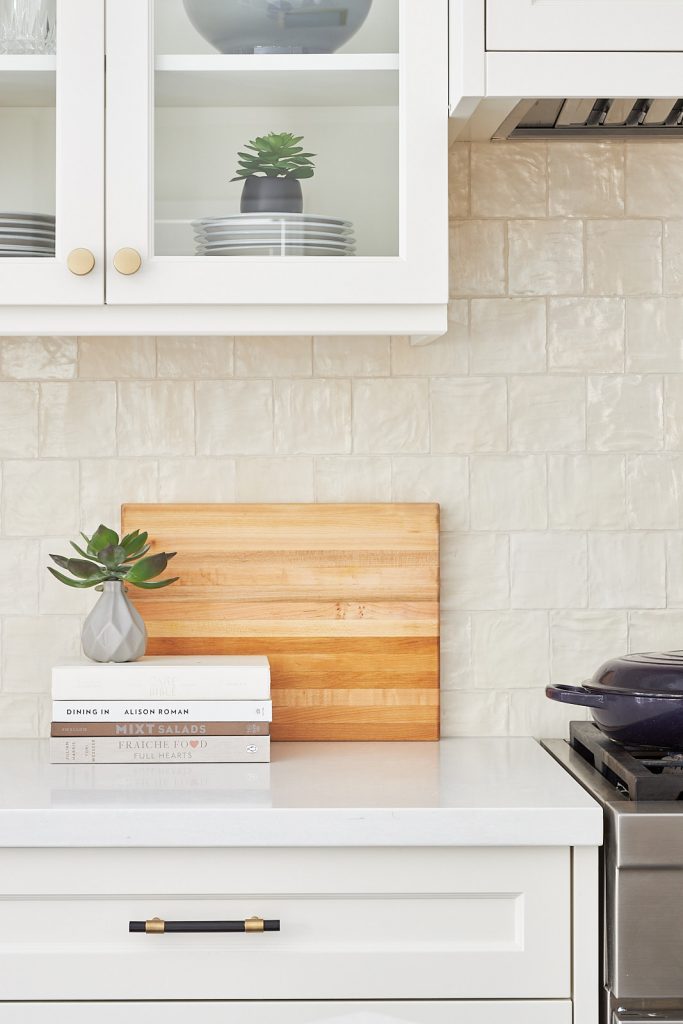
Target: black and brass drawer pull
pixel 158 927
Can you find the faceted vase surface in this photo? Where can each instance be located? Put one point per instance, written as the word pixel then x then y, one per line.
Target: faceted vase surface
pixel 114 630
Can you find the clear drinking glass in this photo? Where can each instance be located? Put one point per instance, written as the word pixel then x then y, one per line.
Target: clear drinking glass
pixel 27 26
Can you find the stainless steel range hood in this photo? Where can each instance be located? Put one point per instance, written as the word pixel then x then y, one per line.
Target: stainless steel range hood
pixel 591 118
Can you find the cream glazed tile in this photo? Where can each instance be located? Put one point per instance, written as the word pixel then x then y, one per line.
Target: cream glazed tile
pixel 673 412
pixel 443 356
pixel 654 336
pixel 107 483
pixel 474 571
pixel 459 179
pixel 342 478
pixel 509 649
pixel 508 492
pixel 18 576
pixel 352 356
pixel 469 414
pixel 390 416
pixel 440 478
pixel 19 716
pixel 109 358
pixel 545 257
pixel 32 645
pixel 586 335
pixel 532 714
pixel 18 420
pixel 477 258
pixel 38 358
pixel 274 357
pixel 312 416
pixel 623 257
pixel 581 641
pixel 275 479
pixel 509 180
pixel 234 417
pixel 195 358
pixel 674 574
pixel 508 336
pixel 548 570
pixel 456 650
pixel 37 492
pixel 587 492
pixel 54 598
pixel 654 180
pixel 673 257
pixel 655 631
pixel 547 413
pixel 474 713
pixel 625 413
pixel 586 179
pixel 627 570
pixel 155 418
pixel 78 419
pixel 197 479
pixel 655 491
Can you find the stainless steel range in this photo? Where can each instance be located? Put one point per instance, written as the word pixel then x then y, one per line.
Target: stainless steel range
pixel 642 872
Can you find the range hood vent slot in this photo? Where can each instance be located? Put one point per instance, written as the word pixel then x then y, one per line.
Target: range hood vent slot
pixel 593 119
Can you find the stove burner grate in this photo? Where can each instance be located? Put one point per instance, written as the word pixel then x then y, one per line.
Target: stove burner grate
pixel 644 773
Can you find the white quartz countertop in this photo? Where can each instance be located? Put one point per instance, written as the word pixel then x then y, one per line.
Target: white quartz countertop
pixel 460 792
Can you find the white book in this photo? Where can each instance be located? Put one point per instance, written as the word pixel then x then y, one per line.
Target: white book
pixel 174 750
pixel 162 710
pixel 183 678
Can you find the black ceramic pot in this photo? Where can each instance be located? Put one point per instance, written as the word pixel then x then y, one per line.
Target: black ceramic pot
pixel 271 195
pixel 636 700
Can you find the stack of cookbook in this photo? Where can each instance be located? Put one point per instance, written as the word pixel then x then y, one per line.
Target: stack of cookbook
pixel 201 709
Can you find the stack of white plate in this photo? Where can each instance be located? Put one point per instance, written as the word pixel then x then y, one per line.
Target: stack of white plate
pixel 27 234
pixel 274 234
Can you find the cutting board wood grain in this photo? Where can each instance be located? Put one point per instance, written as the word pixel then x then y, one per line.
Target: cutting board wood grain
pixel 343 599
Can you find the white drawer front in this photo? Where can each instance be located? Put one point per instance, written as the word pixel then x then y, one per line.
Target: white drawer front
pixel 355 924
pixel 291 1013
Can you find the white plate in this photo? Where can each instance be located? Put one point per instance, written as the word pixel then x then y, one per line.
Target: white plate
pixel 41 218
pixel 38 236
pixel 4 254
pixel 274 218
pixel 19 242
pixel 276 250
pixel 255 242
pixel 266 234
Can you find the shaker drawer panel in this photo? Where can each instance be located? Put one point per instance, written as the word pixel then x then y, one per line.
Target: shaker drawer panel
pixel 294 1013
pixel 356 924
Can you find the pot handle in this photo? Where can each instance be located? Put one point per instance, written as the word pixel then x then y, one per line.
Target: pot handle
pixel 575 695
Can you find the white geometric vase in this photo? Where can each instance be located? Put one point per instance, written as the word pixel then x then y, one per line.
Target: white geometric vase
pixel 114 630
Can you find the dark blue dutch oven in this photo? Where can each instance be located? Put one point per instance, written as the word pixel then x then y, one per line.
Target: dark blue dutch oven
pixel 636 700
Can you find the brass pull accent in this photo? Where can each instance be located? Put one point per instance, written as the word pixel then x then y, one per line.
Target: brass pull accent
pixel 158 927
pixel 155 927
pixel 254 924
pixel 80 262
pixel 127 261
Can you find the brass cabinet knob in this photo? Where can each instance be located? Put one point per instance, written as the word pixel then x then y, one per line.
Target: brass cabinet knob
pixel 80 262
pixel 127 261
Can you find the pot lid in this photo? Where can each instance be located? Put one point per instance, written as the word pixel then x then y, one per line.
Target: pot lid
pixel 649 674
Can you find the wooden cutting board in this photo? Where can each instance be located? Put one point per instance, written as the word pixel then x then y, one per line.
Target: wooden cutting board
pixel 343 599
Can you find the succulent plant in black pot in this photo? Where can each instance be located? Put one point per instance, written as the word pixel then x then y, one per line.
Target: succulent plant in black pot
pixel 271 171
pixel 114 629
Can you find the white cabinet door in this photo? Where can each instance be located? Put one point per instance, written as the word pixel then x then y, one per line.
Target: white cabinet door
pixel 290 1013
pixel 584 25
pixel 373 114
pixel 52 129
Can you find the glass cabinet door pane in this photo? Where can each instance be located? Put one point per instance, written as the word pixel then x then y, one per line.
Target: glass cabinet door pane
pixel 300 101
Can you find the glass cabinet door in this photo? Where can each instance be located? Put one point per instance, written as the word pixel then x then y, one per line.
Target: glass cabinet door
pixel 277 151
pixel 51 173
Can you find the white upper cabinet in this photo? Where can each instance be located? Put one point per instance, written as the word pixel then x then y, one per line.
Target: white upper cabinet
pixel 51 173
pixel 583 25
pixel 372 227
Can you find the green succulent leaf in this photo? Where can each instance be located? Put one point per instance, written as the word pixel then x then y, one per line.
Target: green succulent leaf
pixel 78 584
pixel 148 568
pixel 134 542
pixel 112 556
pixel 275 155
pixel 155 586
pixel 103 537
pixel 84 569
pixel 78 550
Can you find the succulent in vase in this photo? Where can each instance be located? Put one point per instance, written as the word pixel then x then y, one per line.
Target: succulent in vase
pixel 272 171
pixel 114 629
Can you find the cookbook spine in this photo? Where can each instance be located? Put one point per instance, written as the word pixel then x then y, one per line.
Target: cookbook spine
pixel 79 686
pixel 140 710
pixel 156 750
pixel 67 729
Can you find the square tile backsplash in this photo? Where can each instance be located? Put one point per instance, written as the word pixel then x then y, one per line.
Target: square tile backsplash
pixel 548 423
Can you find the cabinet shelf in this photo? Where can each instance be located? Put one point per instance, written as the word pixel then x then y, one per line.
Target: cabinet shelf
pixel 27 80
pixel 308 80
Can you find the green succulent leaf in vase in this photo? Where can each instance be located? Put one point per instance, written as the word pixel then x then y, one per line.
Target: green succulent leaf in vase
pixel 114 630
